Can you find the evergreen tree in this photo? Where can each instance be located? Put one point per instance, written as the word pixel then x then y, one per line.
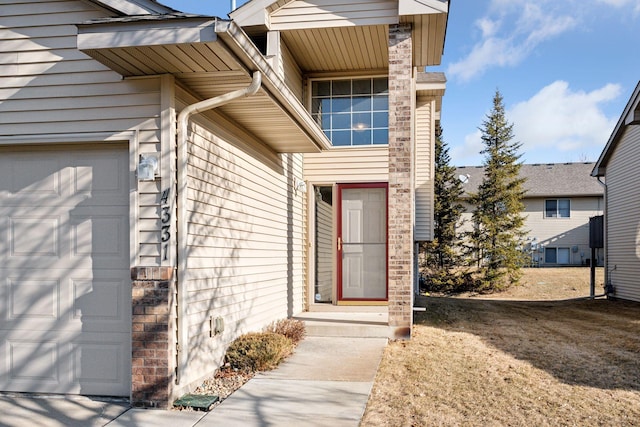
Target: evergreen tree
pixel 443 251
pixel 498 203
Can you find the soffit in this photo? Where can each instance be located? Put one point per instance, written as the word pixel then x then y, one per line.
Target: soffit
pixel 329 35
pixel 208 62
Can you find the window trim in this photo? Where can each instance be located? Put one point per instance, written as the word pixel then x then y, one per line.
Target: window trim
pixel 557 215
pixel 333 77
pixel 557 249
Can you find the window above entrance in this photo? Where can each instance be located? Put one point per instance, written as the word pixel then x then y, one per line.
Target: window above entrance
pixel 352 112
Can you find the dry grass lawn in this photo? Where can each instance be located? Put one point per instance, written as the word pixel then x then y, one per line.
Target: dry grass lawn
pixel 486 361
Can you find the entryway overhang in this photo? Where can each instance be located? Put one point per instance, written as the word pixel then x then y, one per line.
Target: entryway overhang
pixel 210 57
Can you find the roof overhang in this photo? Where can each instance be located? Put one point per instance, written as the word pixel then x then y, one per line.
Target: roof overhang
pixel 432 85
pixel 210 57
pixel 316 45
pixel 630 116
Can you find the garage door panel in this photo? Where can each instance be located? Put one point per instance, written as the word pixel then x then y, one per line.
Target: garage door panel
pixel 100 305
pixel 27 175
pixel 65 298
pixel 36 301
pixel 101 239
pixel 35 235
pixel 90 363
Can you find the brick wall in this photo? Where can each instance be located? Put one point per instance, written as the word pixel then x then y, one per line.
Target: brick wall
pixel 401 194
pixel 152 375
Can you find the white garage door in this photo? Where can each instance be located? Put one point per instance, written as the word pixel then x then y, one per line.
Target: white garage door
pixel 65 299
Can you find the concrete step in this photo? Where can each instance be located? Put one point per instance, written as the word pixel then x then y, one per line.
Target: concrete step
pixel 346 324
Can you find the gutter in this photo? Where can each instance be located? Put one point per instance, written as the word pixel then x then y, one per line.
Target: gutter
pixel 181 185
pixel 244 49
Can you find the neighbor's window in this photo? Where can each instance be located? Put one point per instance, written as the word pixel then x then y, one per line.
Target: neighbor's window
pixel 557 255
pixel 557 208
pixel 352 112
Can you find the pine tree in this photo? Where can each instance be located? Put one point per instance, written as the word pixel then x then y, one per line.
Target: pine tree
pixel 497 217
pixel 443 252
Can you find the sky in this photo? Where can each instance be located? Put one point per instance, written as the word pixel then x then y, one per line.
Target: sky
pixel 565 69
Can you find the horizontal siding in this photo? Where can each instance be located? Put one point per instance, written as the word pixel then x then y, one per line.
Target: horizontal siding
pixel 623 216
pixel 563 232
pixel 245 242
pixel 555 232
pixel 291 71
pixel 324 251
pixel 49 87
pixel 348 165
pixel 424 169
pixel 332 13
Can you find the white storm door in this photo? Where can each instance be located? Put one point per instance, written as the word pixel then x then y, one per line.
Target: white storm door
pixel 65 293
pixel 362 244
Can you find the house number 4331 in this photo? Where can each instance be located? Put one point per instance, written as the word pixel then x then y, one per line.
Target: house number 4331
pixel 165 219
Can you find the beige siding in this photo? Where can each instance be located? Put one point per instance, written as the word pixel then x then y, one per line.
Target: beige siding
pixel 623 218
pixel 292 73
pixel 556 232
pixel 324 251
pixel 569 233
pixel 424 169
pixel 334 13
pixel 48 87
pixel 348 165
pixel 245 242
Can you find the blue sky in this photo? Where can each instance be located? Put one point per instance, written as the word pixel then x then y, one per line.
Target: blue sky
pixel 565 68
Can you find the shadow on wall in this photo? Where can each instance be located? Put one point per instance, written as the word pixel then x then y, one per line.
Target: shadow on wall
pixel 568 248
pixel 240 258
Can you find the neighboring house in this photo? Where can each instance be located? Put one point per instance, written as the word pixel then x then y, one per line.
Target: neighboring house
pixel 619 164
pixel 170 181
pixel 560 198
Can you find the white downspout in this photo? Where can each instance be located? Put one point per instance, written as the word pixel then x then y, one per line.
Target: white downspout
pixel 181 185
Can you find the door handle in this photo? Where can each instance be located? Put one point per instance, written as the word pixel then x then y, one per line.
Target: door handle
pixel 339 244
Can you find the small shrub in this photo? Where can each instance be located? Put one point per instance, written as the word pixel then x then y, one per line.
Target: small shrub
pixel 290 328
pixel 258 351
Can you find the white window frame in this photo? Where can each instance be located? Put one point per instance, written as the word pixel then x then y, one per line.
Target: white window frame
pixel 557 213
pixel 557 250
pixel 352 129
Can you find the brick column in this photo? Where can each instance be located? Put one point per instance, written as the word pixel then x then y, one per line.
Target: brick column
pixel 152 376
pixel 401 194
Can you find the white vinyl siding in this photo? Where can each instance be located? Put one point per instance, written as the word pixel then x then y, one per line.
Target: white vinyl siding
pixel 334 13
pixel 568 233
pixel 424 169
pixel 48 87
pixel 369 164
pixel 324 251
pixel 622 217
pixel 563 232
pixel 245 242
pixel 292 73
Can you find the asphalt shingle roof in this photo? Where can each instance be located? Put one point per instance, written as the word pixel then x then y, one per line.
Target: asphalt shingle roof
pixel 544 180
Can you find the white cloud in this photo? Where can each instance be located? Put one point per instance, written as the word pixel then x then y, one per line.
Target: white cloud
pixel 635 4
pixel 557 118
pixel 509 33
pixel 468 154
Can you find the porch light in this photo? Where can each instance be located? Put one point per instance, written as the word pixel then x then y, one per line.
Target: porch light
pixel 299 185
pixel 147 167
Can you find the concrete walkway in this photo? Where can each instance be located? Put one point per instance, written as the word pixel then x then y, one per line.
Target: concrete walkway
pixel 326 382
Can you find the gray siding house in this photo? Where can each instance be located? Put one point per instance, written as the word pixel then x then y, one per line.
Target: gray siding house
pixel 170 181
pixel 618 165
pixel 560 198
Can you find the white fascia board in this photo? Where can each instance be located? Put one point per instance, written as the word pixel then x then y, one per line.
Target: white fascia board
pixel 132 34
pixel 244 49
pixel 422 7
pixel 627 118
